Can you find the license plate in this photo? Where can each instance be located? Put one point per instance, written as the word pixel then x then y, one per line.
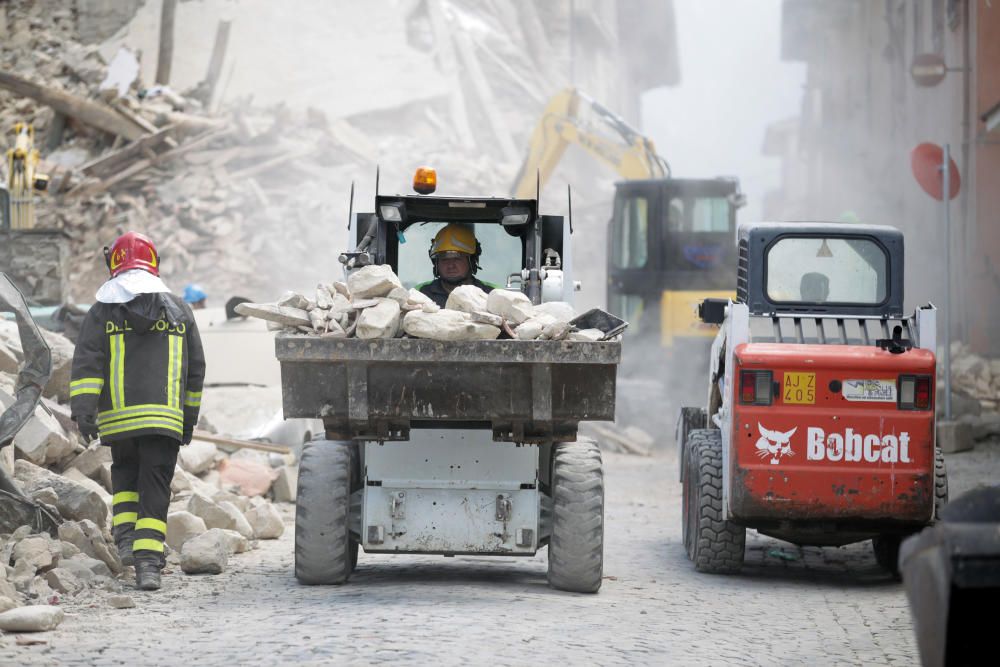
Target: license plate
pixel 878 391
pixel 799 388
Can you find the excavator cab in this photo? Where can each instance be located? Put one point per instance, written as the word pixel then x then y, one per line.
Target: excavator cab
pixel 672 245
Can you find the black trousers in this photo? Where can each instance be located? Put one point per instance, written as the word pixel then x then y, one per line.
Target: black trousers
pixel 141 471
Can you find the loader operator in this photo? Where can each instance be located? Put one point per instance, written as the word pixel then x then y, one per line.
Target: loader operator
pixel 137 378
pixel 455 254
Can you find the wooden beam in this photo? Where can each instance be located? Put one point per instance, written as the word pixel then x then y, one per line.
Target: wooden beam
pixel 216 60
pixel 165 57
pixel 243 444
pixel 107 164
pixel 90 113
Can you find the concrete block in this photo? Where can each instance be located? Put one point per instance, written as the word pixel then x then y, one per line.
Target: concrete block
pixel 954 436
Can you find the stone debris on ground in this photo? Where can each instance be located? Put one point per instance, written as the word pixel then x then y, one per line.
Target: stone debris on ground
pixel 377 306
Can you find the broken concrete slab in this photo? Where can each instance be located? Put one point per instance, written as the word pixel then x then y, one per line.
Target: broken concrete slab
pixel 560 310
pixel 586 335
pixel 209 511
pixel 372 281
pixel 34 551
pixel 63 581
pixel 40 433
pixel 954 436
pixel 89 539
pixel 283 315
pixel 380 321
pixel 532 329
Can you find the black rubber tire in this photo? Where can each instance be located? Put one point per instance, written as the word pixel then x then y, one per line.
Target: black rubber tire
pixel 940 483
pixel 717 545
pixel 886 548
pixel 323 546
pixel 576 546
pixel 690 419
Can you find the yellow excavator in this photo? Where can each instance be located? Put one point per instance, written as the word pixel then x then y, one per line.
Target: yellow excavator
pixel 671 241
pixel 17 201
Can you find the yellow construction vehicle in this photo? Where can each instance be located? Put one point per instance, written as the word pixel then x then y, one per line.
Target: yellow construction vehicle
pixel 23 180
pixel 671 241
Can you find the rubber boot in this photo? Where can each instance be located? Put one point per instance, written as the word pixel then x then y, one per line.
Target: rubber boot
pixel 123 540
pixel 147 575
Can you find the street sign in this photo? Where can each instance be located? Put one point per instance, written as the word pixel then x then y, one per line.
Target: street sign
pixel 928 69
pixel 925 161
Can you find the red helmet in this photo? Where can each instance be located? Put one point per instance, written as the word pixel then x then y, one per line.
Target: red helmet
pixel 132 251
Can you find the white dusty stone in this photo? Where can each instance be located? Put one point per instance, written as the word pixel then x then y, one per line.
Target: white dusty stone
pixel 380 321
pixel 372 281
pixel 197 457
pixel 324 297
pixel 75 475
pixel 556 331
pixel 46 495
pixel 283 315
pixel 85 568
pixel 447 325
pixel 466 298
pixel 239 522
pixel 511 305
pixel 180 482
pixel 293 300
pixel 242 502
pixel 89 461
pixel 182 526
pixel 62 365
pixel 400 295
pixel 416 300
pixel 532 328
pixel 88 538
pixel 237 543
pixel 266 522
pixel 587 335
pixel 76 502
pixel 560 310
pixel 209 511
pixel 34 551
pixel 36 618
pixel 63 581
pixel 285 486
pixel 207 553
pixel 40 434
pixel 121 602
pixel 7 603
pixel 341 288
pixel 318 318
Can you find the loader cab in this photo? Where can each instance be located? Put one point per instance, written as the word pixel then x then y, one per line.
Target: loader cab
pixel 820 269
pixel 520 248
pixel 668 236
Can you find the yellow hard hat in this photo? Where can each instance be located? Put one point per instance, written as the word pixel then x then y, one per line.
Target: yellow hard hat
pixel 454 238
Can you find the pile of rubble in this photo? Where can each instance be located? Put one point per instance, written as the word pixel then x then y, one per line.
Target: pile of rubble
pixel 975 395
pixel 374 304
pixel 221 502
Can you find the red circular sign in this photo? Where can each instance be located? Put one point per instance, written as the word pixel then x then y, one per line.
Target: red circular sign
pixel 925 160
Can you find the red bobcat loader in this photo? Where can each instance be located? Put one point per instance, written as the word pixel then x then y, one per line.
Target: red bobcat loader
pixel 819 424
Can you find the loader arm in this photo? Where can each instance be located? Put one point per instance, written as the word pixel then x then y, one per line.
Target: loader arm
pixel 606 136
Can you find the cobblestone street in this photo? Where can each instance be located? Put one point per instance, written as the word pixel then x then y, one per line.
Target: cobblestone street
pixel 790 606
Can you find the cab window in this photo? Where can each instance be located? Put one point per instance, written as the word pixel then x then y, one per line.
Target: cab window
pixel 501 254
pixel 827 269
pixel 630 245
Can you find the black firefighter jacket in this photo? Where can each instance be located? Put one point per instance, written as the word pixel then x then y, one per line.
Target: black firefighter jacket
pixel 139 367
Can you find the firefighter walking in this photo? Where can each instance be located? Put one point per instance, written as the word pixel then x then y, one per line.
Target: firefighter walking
pixel 137 378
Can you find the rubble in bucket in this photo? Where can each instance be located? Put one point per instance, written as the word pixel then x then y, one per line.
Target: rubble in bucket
pixel 374 304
